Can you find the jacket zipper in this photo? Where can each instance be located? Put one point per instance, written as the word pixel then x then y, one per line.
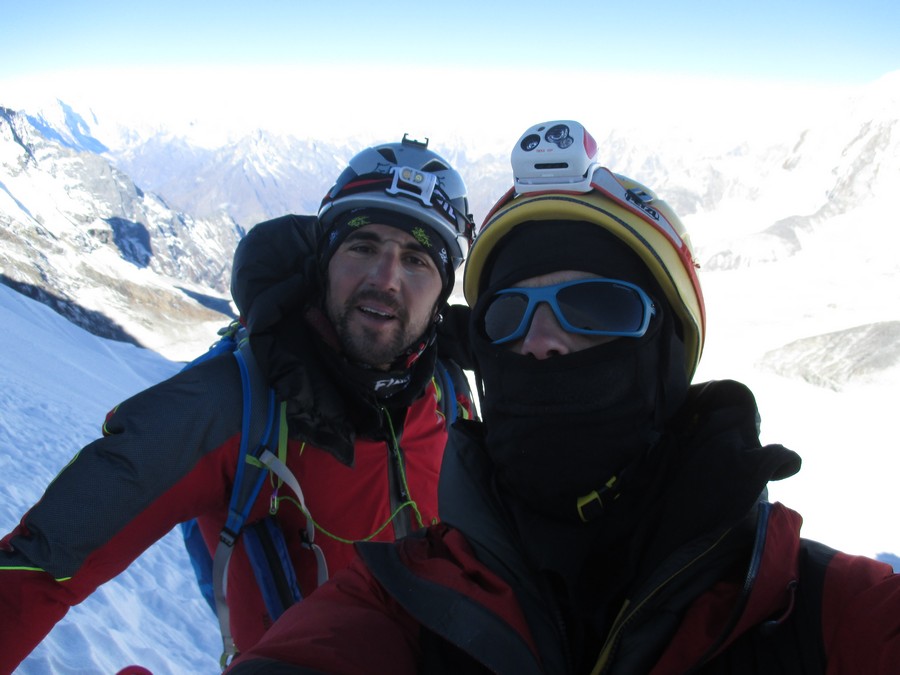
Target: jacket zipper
pixel 397 494
pixel 762 530
pixel 627 616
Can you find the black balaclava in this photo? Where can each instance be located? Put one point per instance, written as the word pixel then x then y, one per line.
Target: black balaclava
pixel 562 428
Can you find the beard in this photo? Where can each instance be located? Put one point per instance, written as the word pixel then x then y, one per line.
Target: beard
pixel 373 346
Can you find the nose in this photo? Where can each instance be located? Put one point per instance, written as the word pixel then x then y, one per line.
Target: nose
pixel 385 270
pixel 545 337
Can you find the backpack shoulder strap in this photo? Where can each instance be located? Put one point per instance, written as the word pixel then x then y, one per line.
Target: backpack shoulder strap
pixel 248 481
pixel 792 642
pixel 255 461
pixel 795 643
pixel 453 390
pixel 814 561
pixel 261 419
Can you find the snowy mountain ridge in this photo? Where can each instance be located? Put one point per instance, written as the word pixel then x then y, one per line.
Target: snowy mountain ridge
pixel 152 214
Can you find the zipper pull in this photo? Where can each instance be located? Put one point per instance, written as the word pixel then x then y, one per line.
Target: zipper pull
pixel 273 502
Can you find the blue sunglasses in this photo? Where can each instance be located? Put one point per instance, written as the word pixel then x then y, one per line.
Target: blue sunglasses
pixel 585 306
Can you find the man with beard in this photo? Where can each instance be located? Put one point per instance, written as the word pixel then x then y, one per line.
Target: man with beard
pixel 607 516
pixel 341 311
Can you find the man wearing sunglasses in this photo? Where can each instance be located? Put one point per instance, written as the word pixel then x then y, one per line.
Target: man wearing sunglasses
pixel 606 516
pixel 341 312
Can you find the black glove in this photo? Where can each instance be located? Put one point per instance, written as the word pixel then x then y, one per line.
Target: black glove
pixel 453 336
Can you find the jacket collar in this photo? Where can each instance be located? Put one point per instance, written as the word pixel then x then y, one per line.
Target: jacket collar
pixel 723 417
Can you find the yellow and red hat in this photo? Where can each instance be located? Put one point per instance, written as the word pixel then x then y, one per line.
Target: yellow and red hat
pixel 558 178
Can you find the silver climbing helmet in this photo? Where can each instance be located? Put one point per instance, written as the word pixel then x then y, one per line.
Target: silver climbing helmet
pixel 409 179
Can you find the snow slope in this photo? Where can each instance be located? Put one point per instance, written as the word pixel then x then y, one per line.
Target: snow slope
pixel 56 386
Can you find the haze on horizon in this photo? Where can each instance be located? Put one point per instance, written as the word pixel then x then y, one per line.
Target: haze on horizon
pixel 467 71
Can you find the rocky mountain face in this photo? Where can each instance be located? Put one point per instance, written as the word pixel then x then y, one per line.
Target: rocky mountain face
pixel 131 232
pixel 79 235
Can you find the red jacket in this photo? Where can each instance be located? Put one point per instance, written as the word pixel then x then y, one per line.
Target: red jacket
pixel 462 599
pixel 365 622
pixel 125 491
pixel 170 455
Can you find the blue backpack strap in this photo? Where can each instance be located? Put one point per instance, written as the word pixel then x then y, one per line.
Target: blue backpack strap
pixel 248 482
pixel 244 494
pixel 274 571
pixel 198 553
pixel 272 566
pixel 228 341
pixel 252 470
pixel 448 393
pixel 201 560
pixel 264 542
pixel 450 380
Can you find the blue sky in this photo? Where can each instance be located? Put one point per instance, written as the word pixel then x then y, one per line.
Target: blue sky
pixel 442 68
pixel 820 41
